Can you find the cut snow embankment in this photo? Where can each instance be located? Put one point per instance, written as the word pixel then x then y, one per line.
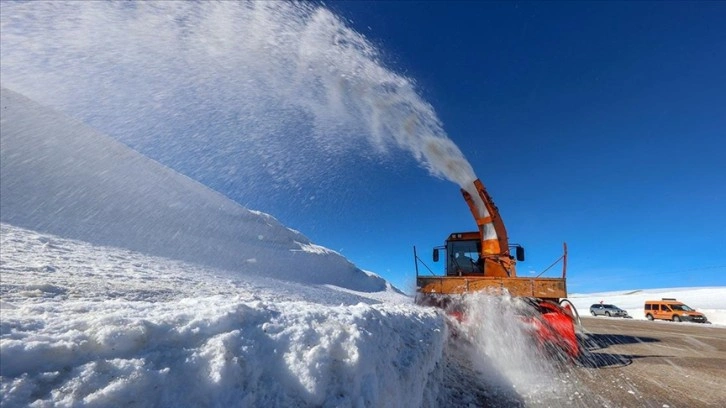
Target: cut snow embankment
pixel 101 326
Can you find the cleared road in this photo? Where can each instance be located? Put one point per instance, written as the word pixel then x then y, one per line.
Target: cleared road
pixel 637 363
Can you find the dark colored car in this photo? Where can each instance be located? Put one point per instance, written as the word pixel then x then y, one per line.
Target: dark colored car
pixel 607 310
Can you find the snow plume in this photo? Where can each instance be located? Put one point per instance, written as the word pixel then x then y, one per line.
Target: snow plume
pixel 503 349
pixel 280 88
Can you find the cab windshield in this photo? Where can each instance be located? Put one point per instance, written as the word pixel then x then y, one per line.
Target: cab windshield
pixel 463 257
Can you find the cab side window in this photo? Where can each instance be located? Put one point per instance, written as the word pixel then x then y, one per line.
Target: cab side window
pixel 656 307
pixel 665 308
pixel 647 307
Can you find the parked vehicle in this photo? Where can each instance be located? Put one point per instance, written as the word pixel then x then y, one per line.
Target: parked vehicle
pixel 607 310
pixel 672 309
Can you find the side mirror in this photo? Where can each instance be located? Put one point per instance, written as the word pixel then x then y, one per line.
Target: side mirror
pixel 436 254
pixel 520 253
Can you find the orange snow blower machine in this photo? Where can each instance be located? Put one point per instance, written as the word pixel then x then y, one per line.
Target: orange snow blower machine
pixel 480 261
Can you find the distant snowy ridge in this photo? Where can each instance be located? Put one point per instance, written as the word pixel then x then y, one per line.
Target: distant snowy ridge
pixel 709 300
pixel 62 177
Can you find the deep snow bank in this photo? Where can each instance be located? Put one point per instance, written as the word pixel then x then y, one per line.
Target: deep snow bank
pixel 101 326
pixel 62 177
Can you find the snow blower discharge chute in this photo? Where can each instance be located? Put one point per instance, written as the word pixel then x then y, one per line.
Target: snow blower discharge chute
pixel 480 261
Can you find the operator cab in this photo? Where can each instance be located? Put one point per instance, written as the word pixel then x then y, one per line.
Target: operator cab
pixel 463 254
pixel 463 258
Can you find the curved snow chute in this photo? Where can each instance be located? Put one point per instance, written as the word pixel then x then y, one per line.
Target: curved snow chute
pixel 494 242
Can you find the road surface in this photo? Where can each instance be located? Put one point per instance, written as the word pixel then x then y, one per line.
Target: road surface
pixel 639 363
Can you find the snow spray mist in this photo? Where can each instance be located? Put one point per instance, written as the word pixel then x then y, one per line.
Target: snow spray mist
pixel 503 348
pixel 278 86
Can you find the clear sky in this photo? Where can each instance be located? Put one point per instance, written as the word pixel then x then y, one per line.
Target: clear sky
pixel 599 124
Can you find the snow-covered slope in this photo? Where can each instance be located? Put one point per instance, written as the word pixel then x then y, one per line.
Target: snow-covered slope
pixel 62 177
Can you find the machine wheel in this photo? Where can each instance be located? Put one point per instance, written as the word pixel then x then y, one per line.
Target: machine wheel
pixel 676 318
pixel 593 313
pixel 649 316
pixel 607 314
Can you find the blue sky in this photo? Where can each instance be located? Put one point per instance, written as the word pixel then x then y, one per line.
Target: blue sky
pixel 599 124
